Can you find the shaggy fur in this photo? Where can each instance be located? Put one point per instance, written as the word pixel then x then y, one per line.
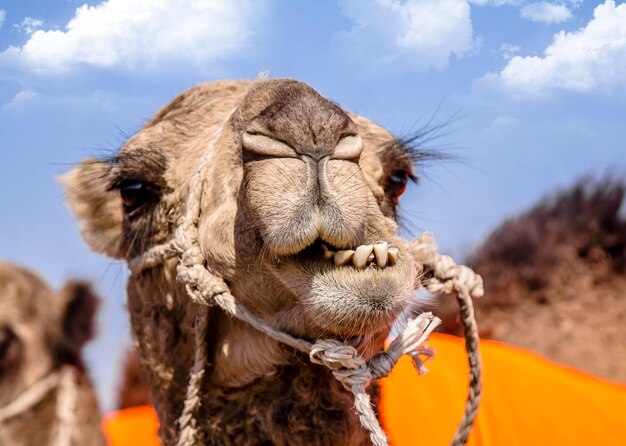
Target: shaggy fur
pixel 289 171
pixel 555 278
pixel 41 332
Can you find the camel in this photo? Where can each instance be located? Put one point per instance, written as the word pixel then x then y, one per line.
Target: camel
pixel 256 205
pixel 46 396
pixel 555 279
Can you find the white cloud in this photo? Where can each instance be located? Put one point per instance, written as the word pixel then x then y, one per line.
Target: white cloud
pixel 140 34
pixel 20 101
pixel 29 25
pixel 495 2
pixel 418 34
pixel 545 12
pixel 591 58
pixel 508 50
pixel 3 15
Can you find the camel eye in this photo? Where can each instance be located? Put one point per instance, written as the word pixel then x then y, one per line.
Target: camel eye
pixel 134 194
pixel 396 184
pixel 9 348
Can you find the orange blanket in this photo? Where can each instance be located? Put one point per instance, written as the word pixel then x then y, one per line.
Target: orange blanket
pixel 527 400
pixel 136 426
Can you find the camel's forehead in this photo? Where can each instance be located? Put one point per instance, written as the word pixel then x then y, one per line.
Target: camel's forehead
pixel 295 109
pixel 199 112
pixel 183 127
pixel 180 132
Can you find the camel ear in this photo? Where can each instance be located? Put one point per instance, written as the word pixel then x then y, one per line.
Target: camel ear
pixel 80 305
pixel 97 208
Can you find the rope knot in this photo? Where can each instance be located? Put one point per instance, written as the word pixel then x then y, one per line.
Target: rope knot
pixel 473 281
pixel 448 277
pixel 201 285
pixel 344 361
pixel 192 256
pixel 408 342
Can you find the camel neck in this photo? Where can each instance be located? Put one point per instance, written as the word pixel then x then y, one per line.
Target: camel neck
pixel 298 404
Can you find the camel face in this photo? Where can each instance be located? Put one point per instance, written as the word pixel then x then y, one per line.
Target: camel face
pixel 30 326
pixel 39 330
pixel 297 194
pixel 291 204
pixel 308 200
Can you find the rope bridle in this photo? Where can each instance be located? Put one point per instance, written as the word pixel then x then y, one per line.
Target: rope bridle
pixel 64 381
pixel 206 288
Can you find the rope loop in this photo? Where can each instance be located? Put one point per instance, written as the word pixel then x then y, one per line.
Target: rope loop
pixel 444 276
pixel 347 366
pixel 438 273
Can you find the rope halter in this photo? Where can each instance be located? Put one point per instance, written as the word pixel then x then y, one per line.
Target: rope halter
pixel 347 366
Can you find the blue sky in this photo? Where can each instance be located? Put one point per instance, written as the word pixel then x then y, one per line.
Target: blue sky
pixel 538 88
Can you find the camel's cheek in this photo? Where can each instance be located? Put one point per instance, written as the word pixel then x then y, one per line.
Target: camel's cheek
pixel 216 235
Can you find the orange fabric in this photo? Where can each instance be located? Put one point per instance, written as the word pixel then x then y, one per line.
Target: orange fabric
pixel 136 426
pixel 527 400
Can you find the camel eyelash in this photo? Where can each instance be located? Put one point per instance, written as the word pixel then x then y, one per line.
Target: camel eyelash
pixel 125 181
pixel 147 167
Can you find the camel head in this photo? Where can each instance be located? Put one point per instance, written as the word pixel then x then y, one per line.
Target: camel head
pixel 40 330
pixel 297 212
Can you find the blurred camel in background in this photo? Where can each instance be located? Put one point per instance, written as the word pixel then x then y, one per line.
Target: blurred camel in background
pixel 555 280
pixel 46 396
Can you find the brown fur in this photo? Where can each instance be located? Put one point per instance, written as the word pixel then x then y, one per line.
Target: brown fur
pixel 41 332
pixel 287 171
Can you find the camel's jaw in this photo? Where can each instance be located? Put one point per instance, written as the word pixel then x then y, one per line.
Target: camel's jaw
pixel 349 291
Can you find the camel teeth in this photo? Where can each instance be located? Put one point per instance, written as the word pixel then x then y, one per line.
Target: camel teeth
pixel 328 254
pixel 393 255
pixel 380 252
pixel 343 257
pixel 360 256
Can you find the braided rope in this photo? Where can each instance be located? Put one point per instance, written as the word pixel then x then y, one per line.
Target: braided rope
pixel 470 332
pixel 188 420
pixel 444 276
pixel 344 361
pixel 207 288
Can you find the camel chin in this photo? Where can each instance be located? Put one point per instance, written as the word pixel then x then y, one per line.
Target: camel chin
pixel 351 291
